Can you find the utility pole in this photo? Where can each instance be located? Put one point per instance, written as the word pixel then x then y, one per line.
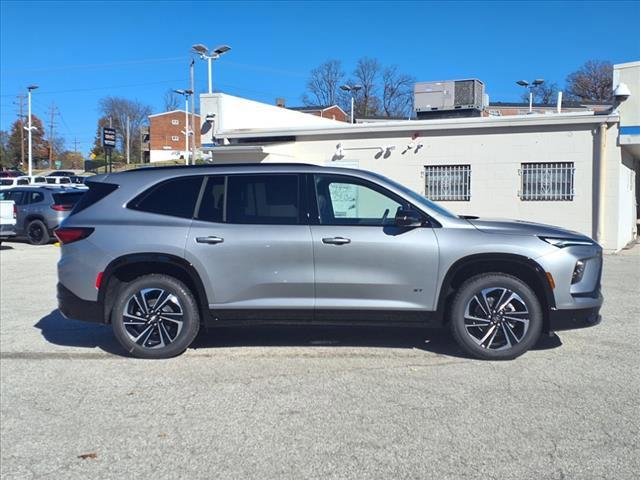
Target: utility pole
pixel 21 117
pixel 30 128
pixel 75 144
pixel 52 112
pixel 193 112
pixel 128 140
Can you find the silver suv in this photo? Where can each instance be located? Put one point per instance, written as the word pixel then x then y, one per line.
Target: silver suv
pixel 158 252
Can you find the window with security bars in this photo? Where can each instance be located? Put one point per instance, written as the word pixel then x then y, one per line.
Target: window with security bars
pixel 547 181
pixel 448 182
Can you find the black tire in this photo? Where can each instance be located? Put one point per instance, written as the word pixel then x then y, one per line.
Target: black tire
pixel 154 345
pixel 37 233
pixel 505 326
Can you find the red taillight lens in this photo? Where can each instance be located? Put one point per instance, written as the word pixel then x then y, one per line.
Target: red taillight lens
pixel 62 208
pixel 72 234
pixel 15 211
pixel 99 280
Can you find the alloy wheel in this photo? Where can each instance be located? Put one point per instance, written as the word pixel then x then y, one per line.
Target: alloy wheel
pixel 153 318
pixel 496 318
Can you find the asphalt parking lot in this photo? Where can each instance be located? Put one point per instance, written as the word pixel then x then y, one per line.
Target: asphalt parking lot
pixel 312 403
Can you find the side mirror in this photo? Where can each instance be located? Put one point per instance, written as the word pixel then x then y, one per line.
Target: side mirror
pixel 409 218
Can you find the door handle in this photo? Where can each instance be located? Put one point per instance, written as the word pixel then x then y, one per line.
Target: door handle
pixel 210 240
pixel 336 240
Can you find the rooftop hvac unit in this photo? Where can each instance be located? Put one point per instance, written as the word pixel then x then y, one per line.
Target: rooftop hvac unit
pixel 448 95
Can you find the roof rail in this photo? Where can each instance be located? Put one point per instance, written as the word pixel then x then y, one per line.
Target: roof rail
pixel 221 165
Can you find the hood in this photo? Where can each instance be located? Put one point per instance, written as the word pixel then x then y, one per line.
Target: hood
pixel 520 227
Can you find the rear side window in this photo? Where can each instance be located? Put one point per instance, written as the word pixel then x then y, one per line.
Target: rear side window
pixel 36 197
pixel 176 198
pixel 263 199
pixel 97 191
pixel 51 179
pixel 39 180
pixel 23 181
pixel 212 203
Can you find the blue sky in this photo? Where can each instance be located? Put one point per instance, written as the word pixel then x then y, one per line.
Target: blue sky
pixel 79 52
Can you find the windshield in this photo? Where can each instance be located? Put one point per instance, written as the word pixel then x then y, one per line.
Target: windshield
pixel 420 199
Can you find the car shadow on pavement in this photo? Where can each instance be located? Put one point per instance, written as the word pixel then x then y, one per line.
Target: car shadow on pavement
pixel 72 333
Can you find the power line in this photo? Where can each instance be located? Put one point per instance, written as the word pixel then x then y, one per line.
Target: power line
pixel 52 92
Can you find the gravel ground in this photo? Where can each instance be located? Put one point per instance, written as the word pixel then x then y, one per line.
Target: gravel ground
pixel 312 403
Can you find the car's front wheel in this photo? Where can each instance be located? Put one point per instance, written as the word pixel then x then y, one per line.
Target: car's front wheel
pixel 496 316
pixel 155 316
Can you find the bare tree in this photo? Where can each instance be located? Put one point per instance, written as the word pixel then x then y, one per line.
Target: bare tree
pixel 592 81
pixel 323 84
pixel 397 92
pixel 119 110
pixel 367 74
pixel 545 93
pixel 171 101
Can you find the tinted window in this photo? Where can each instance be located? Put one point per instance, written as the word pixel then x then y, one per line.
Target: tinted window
pixel 19 198
pixel 97 191
pixel 35 197
pixel 51 179
pixel 212 203
pixel 176 198
pixel 67 198
pixel 6 181
pixel 39 180
pixel 344 201
pixel 23 181
pixel 65 180
pixel 263 199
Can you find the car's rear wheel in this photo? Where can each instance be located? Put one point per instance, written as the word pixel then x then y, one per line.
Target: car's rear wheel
pixel 496 316
pixel 37 233
pixel 155 316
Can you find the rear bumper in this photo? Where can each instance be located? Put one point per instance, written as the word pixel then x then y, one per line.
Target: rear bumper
pixel 573 319
pixel 7 230
pixel 74 307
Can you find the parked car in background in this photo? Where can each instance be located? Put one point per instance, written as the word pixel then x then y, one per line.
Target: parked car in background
pixel 11 173
pixel 58 180
pixel 7 219
pixel 36 179
pixel 61 173
pixel 39 210
pixel 10 182
pixel 158 251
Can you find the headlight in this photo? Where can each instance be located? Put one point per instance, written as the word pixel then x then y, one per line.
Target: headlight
pixel 566 242
pixel 578 272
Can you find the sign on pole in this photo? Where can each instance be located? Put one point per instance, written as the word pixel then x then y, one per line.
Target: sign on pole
pixel 108 137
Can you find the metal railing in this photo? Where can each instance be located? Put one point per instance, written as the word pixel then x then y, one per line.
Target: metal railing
pixel 547 181
pixel 448 182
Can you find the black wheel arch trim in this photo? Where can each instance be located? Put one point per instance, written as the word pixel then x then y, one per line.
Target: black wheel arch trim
pixel 145 259
pixel 531 265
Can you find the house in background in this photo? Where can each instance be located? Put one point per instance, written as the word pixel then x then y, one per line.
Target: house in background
pixel 332 112
pixel 167 139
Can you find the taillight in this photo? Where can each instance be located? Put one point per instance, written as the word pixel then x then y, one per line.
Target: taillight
pixel 15 211
pixel 61 207
pixel 72 234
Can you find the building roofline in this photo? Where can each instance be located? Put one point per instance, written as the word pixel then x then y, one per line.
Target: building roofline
pixel 171 111
pixel 423 125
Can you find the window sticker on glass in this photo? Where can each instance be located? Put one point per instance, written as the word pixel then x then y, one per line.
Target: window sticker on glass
pixel 344 199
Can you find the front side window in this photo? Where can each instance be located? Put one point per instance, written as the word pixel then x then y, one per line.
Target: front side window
pixel 263 199
pixel 23 181
pixel 448 182
pixel 547 181
pixel 344 201
pixel 176 198
pixel 212 202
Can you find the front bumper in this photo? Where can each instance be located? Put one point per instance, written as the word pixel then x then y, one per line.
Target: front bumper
pixel 574 318
pixel 74 307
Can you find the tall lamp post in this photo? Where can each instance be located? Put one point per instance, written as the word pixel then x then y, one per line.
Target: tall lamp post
pixel 187 130
pixel 30 127
pixel 352 89
pixel 210 56
pixel 531 86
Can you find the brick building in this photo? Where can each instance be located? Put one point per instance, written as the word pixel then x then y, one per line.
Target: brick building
pixel 167 135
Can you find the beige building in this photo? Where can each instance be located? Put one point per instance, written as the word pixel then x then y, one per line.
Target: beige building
pixel 577 170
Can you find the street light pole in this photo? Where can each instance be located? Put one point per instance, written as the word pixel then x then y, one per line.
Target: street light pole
pixel 193 111
pixel 351 89
pixel 214 54
pixel 530 86
pixel 30 88
pixel 187 130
